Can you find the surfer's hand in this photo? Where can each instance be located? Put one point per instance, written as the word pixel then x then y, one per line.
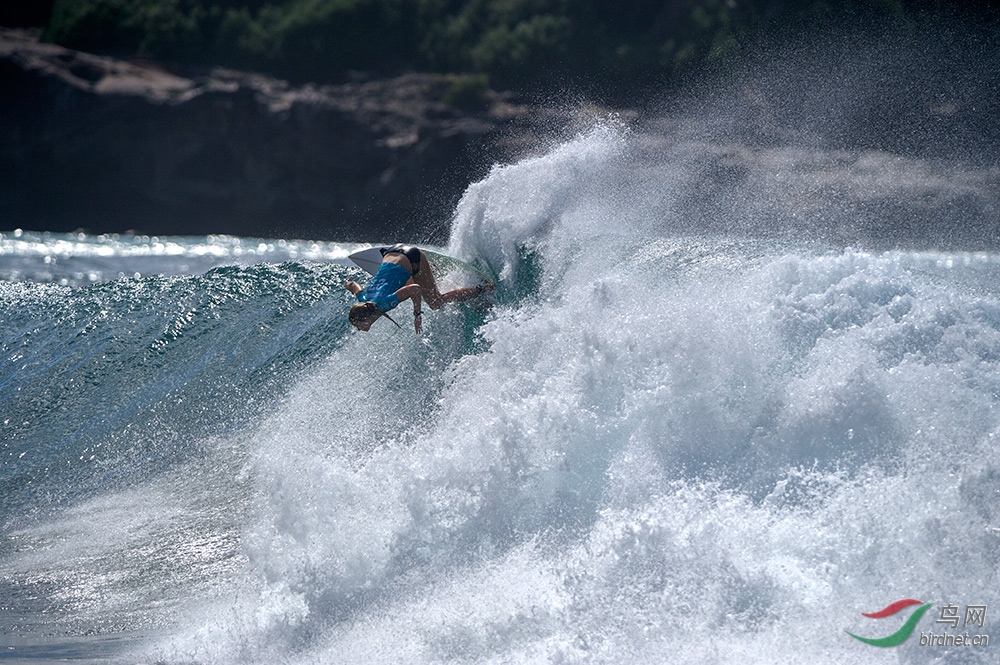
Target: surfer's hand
pixel 352 286
pixel 416 323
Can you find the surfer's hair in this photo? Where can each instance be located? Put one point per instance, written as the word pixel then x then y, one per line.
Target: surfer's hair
pixel 364 311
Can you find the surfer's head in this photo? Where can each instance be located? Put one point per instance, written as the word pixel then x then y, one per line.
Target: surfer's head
pixel 363 315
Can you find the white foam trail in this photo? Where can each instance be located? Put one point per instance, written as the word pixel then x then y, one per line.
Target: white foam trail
pixel 679 450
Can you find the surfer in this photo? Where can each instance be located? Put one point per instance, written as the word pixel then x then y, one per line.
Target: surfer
pixel 404 274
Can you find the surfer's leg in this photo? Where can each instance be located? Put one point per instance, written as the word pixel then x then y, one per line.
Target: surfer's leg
pixel 456 295
pixel 460 295
pixel 429 289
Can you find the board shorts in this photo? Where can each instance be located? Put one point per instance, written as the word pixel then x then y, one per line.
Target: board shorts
pixel 409 251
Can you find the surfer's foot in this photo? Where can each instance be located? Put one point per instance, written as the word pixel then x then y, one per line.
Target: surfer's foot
pixel 484 288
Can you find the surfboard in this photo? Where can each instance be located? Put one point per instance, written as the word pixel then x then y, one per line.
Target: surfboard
pixel 368 260
pixel 449 272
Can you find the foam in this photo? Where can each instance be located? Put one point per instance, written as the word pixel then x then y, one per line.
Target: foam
pixel 679 449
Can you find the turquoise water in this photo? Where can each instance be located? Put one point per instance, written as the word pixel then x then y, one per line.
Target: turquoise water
pixel 656 446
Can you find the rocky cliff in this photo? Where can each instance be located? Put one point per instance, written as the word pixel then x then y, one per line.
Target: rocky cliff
pixel 97 143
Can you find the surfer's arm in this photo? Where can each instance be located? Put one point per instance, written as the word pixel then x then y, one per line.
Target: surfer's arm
pixel 353 287
pixel 412 292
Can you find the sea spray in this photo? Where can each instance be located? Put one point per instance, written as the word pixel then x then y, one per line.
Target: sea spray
pixel 670 446
pixel 685 448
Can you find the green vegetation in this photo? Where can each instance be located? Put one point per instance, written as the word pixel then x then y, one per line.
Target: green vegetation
pixel 466 91
pixel 607 47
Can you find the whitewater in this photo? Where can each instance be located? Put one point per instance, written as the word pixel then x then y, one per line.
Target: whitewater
pixel 667 440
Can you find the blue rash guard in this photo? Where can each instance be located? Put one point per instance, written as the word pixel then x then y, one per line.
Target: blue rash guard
pixel 382 289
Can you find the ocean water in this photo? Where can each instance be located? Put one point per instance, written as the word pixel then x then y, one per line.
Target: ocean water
pixel 660 444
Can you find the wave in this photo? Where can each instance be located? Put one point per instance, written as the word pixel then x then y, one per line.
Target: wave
pixel 657 445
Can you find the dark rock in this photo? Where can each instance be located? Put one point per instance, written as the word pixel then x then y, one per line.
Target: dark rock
pixel 100 144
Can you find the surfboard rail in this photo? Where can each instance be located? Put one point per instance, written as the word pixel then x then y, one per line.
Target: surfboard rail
pixel 447 269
